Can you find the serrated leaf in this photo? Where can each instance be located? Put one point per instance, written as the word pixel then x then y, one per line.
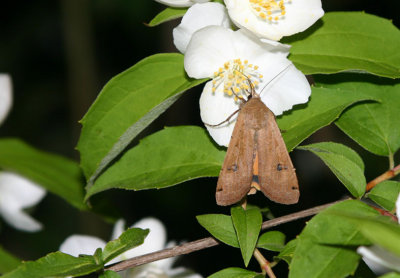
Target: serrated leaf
pixel 348 41
pixel 109 274
pixel 345 163
pixel 219 226
pixel 324 107
pixel 287 253
pixel 375 126
pixel 235 272
pixel 57 174
pixel 273 241
pixel 168 14
pixel 247 225
pixel 55 264
pixel 313 260
pixel 385 194
pixel 129 239
pixel 8 261
pixel 128 103
pixel 165 158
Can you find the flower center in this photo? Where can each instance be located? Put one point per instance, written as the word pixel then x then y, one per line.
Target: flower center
pixel 271 10
pixel 236 77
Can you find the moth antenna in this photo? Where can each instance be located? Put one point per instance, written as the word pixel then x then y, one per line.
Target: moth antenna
pixel 276 76
pixel 224 121
pixel 239 97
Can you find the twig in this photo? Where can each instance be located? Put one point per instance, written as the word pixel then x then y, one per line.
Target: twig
pixel 385 176
pixel 207 242
pixel 264 264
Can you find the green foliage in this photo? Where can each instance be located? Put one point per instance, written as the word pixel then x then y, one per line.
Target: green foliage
pixel 287 253
pixel 273 241
pixel 163 159
pixel 372 125
pixel 391 275
pixel 8 261
pixel 235 272
pixel 348 41
pixel 220 226
pixel 344 163
pixel 385 194
pixel 57 174
pixel 247 225
pixel 326 247
pixel 61 265
pixel 302 121
pixel 168 14
pixel 127 104
pixel 109 274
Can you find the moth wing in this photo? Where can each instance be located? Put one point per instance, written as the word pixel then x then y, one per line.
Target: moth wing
pixel 277 176
pixel 237 170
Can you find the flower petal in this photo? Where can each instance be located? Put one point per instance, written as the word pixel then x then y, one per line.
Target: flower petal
pixel 299 15
pixel 398 208
pixel 154 241
pixel 119 228
pixel 17 193
pixel 180 3
pixel 378 259
pixel 81 244
pixel 197 17
pixel 5 96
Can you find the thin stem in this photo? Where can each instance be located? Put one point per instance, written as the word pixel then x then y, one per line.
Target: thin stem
pixel 264 264
pixel 391 161
pixel 385 176
pixel 207 242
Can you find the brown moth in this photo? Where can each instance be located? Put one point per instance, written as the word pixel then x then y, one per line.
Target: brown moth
pixel 257 149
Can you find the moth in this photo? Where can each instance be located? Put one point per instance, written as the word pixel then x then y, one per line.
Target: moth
pixel 257 158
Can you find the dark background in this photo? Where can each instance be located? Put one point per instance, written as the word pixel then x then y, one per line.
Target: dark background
pixel 61 53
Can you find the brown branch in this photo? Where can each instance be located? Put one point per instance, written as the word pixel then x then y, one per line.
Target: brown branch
pixel 385 176
pixel 207 242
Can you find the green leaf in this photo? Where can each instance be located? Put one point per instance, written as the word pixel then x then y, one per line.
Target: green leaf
pixel 273 241
pixel 374 126
pixel 219 226
pixel 385 194
pixel 344 163
pixel 129 239
pixel 287 253
pixel 55 264
pixel 348 41
pixel 329 227
pixel 235 272
pixel 324 247
pixel 325 106
pixel 8 261
pixel 391 275
pixel 247 224
pixel 109 274
pixel 57 174
pixel 128 103
pixel 165 158
pixel 363 271
pixel 167 15
pixel 313 260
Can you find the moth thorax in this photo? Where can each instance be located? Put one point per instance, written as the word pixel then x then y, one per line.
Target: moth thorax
pixel 270 10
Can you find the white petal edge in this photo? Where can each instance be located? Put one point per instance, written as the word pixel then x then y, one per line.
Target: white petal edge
pixel 180 3
pixel 17 193
pixel 5 96
pixel 300 15
pixel 398 208
pixel 81 244
pixel 154 241
pixel 378 259
pixel 199 16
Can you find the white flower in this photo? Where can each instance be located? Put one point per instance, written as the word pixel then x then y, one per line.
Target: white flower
pixel 5 96
pixel 273 19
pixel 199 16
pixel 155 241
pixel 180 3
pixel 378 259
pixel 16 194
pixel 230 57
